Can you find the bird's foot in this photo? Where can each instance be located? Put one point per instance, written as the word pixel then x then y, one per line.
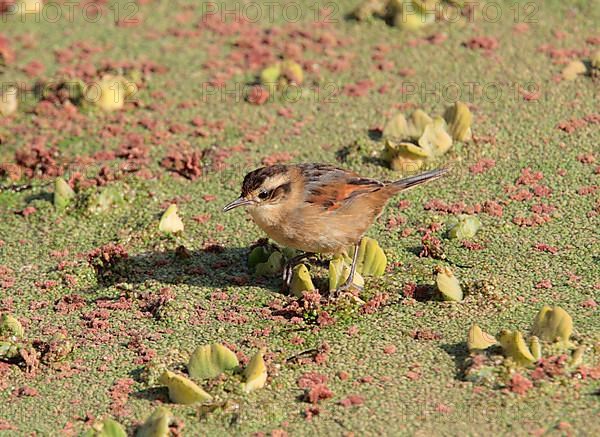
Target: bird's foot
pixel 348 291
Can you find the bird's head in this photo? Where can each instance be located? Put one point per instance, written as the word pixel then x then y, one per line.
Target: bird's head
pixel 263 186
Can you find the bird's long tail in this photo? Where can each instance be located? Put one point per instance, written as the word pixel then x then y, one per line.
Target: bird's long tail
pixel 406 183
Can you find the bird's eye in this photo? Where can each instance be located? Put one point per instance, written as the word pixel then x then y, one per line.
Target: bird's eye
pixel 263 194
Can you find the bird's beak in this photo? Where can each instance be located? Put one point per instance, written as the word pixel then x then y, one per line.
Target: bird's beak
pixel 237 202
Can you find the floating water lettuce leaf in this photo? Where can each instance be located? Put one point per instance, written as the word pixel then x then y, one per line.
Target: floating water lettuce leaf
pixel 108 198
pixel 595 60
pixel 535 347
pixel 157 424
pixel 288 252
pixel 514 347
pixel 404 157
pixel 371 260
pixel 577 356
pixel 368 8
pixel 270 74
pixel 9 103
pixel 9 349
pixel 182 390
pixel 463 227
pixel 259 254
pixel 408 15
pixel 553 325
pixel 10 326
pixel 107 428
pixel 448 285
pixel 170 221
pixel 210 361
pixel 573 69
pixel 63 194
pixel 282 73
pixel 301 281
pixel 459 118
pixel 255 373
pixel 292 72
pixel 339 271
pixel 435 139
pixel 272 266
pixel 396 128
pixel 479 340
pixel 108 94
pixel 417 122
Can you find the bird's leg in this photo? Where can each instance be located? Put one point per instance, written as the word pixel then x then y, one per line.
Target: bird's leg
pixel 288 269
pixel 350 281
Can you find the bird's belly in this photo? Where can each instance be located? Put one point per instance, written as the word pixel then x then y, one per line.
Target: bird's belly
pixel 316 236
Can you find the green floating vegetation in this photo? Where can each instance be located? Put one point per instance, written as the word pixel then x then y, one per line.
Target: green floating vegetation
pixel 595 63
pixel 170 222
pixel 553 325
pixel 283 73
pixel 259 254
pixel 478 340
pixel 301 281
pixel 463 226
pixel 371 260
pixel 109 198
pixel 111 93
pixel 255 373
pixel 11 327
pixel 459 119
pixel 535 347
pixel 573 69
pixel 435 139
pixel 404 156
pixel 409 143
pixel 514 347
pixel 210 361
pixel 9 102
pixel 157 424
pixel 339 272
pixel 182 390
pixel 272 266
pixel 107 428
pixel 408 15
pixel 577 356
pixel 448 285
pixel 63 194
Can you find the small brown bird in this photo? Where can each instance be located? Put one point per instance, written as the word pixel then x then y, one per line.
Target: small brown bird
pixel 318 208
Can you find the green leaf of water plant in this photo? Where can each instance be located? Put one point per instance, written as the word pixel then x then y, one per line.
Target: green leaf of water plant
pixel 301 281
pixel 459 119
pixel 553 325
pixel 463 227
pixel 107 428
pixel 255 373
pixel 339 272
pixel 405 157
pixel 182 390
pixel 435 139
pixel 63 194
pixel 10 326
pixel 371 260
pixel 478 339
pixel 272 266
pixel 170 222
pixel 514 347
pixel 448 285
pixel 210 361
pixel 157 424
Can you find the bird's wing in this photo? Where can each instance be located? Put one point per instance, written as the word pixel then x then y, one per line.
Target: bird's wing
pixel 332 187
